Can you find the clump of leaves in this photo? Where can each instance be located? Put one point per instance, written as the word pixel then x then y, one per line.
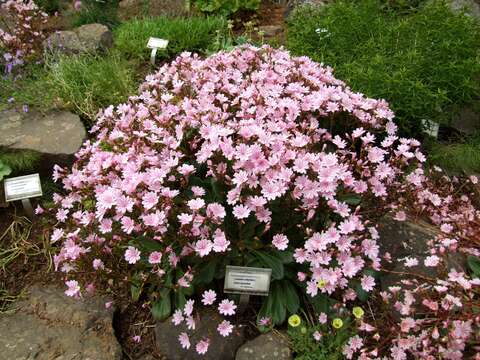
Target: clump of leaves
pixel 5 170
pixel 224 7
pixel 421 61
pixel 100 12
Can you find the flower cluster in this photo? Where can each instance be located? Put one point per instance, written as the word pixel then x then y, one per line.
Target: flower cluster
pixel 21 34
pixel 251 149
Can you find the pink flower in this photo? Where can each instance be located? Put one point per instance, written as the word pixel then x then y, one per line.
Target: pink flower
pixel 241 211
pixel 137 338
pixel 400 216
pixel 155 257
pixel 368 283
pixel 196 204
pixel 73 288
pixel 322 318
pixel 177 317
pixel 98 264
pixel 184 340
pixel 39 210
pixel 220 242
pixel 227 307
pixel 202 346
pixel 216 210
pixel 317 335
pixel 187 310
pixel 209 297
pixel 149 200
pixel 280 241
pixel 57 235
pixel 225 328
pixel 132 255
pixel 203 247
pixel 431 261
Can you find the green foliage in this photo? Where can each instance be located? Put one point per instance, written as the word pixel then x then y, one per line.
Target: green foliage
pixel 184 34
pixel 474 265
pixel 49 6
pixel 28 89
pixel 225 7
pixel 5 170
pixel 19 161
pixel 88 83
pixel 329 347
pixel 457 158
pixel 100 12
pixel 421 62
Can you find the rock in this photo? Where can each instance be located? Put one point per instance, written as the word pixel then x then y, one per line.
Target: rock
pixel 270 31
pixel 265 347
pixel 407 239
pixel 84 39
pixel 166 337
pixel 471 7
pixel 467 120
pixel 57 135
pixel 292 4
pixel 51 326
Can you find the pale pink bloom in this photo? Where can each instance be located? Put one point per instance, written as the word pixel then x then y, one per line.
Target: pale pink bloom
pixel 188 309
pixel 155 257
pixel 203 247
pixel 73 289
pixel 368 283
pixel 446 228
pixel 227 307
pixel 400 216
pixel 225 328
pixel 132 255
pixel 216 210
pixel 322 318
pixel 184 340
pixel 39 210
pixel 57 235
pixel 196 204
pixel 98 264
pixel 177 317
pixel 198 191
pixel 241 211
pixel 220 242
pixel 202 346
pixel 280 241
pixel 209 297
pixel 185 218
pixel 264 321
pixel 190 321
pixel 432 261
pixel 317 335
pixel 137 338
pixel 410 262
pixel 149 200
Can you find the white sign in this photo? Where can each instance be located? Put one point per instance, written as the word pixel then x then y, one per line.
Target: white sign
pixel 156 43
pixel 431 127
pixel 247 280
pixel 23 187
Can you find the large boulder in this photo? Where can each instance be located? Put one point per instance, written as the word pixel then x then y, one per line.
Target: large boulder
pixel 166 336
pixel 471 7
pixel 88 38
pixel 51 326
pixel 467 120
pixel 56 135
pixel 265 347
pixel 402 239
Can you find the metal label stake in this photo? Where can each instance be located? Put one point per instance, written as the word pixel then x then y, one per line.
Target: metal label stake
pixel 155 44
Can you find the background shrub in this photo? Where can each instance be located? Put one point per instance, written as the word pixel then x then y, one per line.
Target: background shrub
pixel 422 62
pixel 101 12
pixel 225 7
pixel 86 83
pixel 184 34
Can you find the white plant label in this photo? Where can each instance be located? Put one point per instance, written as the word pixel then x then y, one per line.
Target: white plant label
pixel 431 127
pixel 22 187
pixel 247 280
pixel 156 43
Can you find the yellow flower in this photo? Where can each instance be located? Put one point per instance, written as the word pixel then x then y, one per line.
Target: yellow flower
pixel 294 320
pixel 321 283
pixel 337 323
pixel 358 312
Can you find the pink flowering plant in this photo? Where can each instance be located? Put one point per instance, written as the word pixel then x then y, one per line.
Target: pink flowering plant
pixel 21 32
pixel 252 158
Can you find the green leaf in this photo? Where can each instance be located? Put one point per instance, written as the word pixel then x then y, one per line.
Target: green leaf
pixel 162 308
pixel 206 273
pixel 180 299
pixel 474 265
pixel 147 244
pixel 270 261
pixel 5 170
pixel 136 287
pixel 279 304
pixel 291 297
pixel 321 303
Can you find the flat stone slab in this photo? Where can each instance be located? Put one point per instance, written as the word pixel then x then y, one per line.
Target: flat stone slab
pixel 53 133
pixel 51 326
pixel 224 348
pixel 265 347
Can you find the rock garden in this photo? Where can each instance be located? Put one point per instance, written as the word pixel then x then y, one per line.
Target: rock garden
pixel 248 179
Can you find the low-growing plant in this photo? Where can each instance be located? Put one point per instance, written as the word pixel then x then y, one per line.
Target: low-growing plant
pixel 19 161
pixel 88 83
pixel 49 6
pixel 184 34
pixel 21 33
pixel 421 62
pixel 224 7
pixel 5 170
pixel 97 12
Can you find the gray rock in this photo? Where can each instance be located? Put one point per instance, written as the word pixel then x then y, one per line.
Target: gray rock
pixel 166 337
pixel 270 31
pixel 467 120
pixel 471 7
pixel 88 38
pixel 407 239
pixel 265 347
pixel 55 135
pixel 293 4
pixel 51 326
